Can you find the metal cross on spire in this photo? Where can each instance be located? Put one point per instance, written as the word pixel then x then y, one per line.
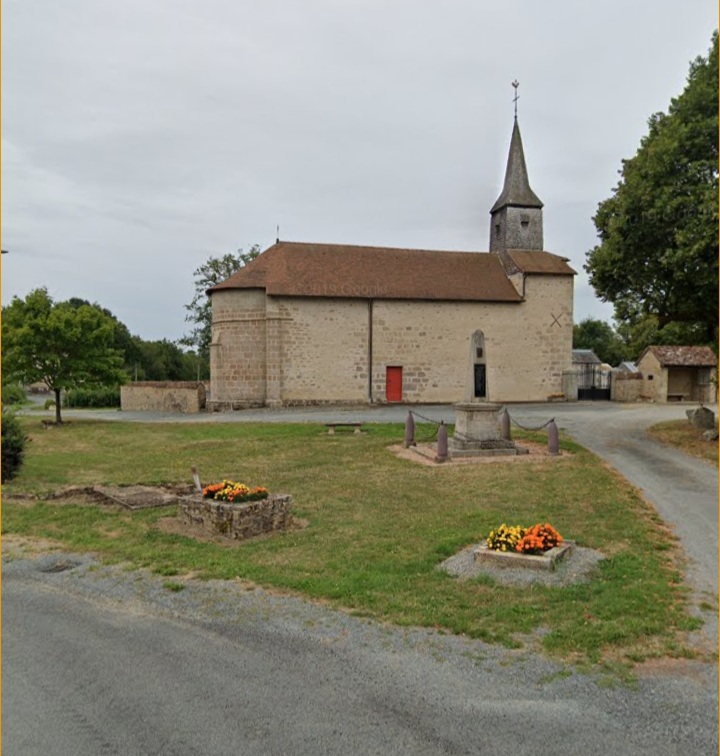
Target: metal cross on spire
pixel 516 84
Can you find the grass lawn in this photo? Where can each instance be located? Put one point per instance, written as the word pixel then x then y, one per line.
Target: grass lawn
pixel 377 527
pixel 682 435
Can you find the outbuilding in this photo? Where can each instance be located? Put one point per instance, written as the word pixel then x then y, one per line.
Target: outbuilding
pixel 679 373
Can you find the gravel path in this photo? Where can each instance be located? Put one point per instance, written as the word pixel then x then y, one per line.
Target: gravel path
pixel 99 660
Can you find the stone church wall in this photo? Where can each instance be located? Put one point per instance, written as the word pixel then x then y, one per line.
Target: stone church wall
pixel 238 348
pixel 315 350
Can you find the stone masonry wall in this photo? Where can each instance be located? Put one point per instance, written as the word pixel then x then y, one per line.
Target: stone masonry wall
pixel 163 396
pixel 238 521
pixel 315 350
pixel 626 387
pixel 238 348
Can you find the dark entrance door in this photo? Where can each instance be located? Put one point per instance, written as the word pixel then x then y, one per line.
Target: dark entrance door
pixel 479 380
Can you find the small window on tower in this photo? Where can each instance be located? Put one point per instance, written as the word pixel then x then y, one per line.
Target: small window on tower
pixel 524 220
pixel 497 230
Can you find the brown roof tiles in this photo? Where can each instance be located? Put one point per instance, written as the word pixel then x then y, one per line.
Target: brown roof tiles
pixel 683 356
pixel 341 270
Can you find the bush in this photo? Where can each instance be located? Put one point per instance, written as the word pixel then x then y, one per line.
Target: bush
pixel 14 440
pixel 105 396
pixel 13 393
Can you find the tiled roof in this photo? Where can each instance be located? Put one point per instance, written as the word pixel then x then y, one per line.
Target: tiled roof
pixel 540 262
pixel 683 356
pixel 341 270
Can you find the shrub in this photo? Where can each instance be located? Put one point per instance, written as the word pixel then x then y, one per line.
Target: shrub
pixel 105 396
pixel 14 440
pixel 13 393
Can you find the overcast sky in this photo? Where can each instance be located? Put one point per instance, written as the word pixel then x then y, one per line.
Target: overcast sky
pixel 139 137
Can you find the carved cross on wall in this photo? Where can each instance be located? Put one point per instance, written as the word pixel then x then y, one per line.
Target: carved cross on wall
pixel 556 320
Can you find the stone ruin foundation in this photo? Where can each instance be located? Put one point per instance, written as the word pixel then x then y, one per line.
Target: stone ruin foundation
pixel 237 521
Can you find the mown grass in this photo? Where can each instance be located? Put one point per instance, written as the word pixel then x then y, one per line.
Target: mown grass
pixel 377 527
pixel 687 438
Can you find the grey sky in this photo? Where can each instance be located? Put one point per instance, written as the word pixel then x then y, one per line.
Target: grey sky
pixel 139 138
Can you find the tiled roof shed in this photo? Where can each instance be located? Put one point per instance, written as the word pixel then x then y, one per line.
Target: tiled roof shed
pixel 342 270
pixel 683 356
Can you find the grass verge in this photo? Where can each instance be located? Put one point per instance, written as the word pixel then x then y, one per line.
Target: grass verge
pixel 377 527
pixel 687 438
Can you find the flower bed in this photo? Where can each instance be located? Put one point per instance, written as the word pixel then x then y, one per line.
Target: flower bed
pixel 537 547
pixel 231 491
pixel 237 511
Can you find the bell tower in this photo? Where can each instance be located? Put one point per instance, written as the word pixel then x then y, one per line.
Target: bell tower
pixel 516 217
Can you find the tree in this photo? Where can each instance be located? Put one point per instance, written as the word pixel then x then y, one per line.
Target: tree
pixel 601 338
pixel 638 335
pixel 64 345
pixel 214 271
pixel 658 251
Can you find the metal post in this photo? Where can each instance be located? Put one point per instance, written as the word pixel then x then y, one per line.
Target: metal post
pixel 442 443
pixel 410 430
pixel 553 441
pixel 505 424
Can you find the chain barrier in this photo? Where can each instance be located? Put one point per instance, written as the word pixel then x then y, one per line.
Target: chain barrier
pixel 433 435
pixel 470 438
pixel 525 428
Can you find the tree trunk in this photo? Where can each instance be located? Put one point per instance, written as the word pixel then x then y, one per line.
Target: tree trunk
pixel 58 416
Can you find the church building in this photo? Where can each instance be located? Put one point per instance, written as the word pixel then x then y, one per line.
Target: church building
pixel 308 323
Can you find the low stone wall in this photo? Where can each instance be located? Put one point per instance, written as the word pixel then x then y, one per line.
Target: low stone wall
pixel 626 387
pixel 238 521
pixel 163 396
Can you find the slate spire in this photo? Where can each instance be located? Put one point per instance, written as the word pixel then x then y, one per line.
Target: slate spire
pixel 516 189
pixel 516 217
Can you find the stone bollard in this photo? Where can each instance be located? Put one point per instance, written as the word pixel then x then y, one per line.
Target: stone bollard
pixel 553 440
pixel 442 443
pixel 410 431
pixel 505 424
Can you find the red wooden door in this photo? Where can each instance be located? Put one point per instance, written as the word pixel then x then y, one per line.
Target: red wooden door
pixel 393 384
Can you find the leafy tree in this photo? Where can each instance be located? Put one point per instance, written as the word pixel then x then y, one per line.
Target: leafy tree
pixel 638 335
pixel 601 338
pixel 658 251
pixel 165 361
pixel 214 271
pixel 63 345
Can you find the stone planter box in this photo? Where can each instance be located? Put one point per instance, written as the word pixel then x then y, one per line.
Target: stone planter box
pixel 238 521
pixel 510 559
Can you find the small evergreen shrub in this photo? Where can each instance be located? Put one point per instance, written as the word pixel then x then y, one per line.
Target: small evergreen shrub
pixel 105 396
pixel 12 393
pixel 14 441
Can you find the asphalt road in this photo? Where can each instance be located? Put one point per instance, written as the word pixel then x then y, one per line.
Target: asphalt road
pixel 100 661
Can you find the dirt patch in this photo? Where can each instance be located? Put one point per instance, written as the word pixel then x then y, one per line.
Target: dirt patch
pixel 17 546
pixel 424 454
pixel 128 497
